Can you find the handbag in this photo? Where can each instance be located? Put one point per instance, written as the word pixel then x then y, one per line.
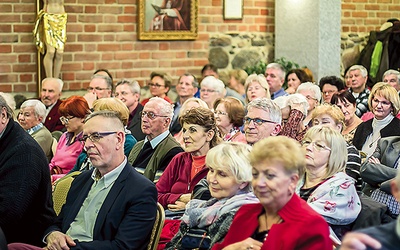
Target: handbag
pixel 196 238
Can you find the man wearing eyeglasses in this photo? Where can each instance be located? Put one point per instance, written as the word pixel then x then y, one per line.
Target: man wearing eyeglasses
pixel 111 206
pixel 50 97
pixel 100 86
pixel 152 155
pixel 263 119
pixel 159 85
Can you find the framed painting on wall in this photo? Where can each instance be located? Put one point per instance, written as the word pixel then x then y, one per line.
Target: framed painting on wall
pixel 167 19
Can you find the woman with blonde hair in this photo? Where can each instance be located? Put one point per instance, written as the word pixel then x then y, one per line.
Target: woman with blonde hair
pixel 237 81
pixel 384 103
pixel 256 86
pixel 325 186
pixel 229 179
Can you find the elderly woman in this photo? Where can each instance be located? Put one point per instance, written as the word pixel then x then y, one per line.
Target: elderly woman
pixel 211 89
pixel 31 118
pixel 384 103
pixel 229 114
pixel 229 179
pixel 73 112
pixel 281 220
pixel 347 103
pixel 294 110
pixel 313 95
pixel 186 169
pixel 256 86
pixel 114 104
pixel 325 186
pixel 186 106
pixel 331 116
pixel 330 85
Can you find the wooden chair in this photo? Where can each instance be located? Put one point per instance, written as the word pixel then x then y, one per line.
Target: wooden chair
pixel 60 191
pixel 157 228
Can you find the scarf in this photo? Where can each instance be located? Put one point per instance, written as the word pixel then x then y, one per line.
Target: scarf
pixel 372 139
pixel 201 214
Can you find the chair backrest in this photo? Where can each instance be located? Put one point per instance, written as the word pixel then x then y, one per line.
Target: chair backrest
pixel 54 146
pixel 61 188
pixel 157 228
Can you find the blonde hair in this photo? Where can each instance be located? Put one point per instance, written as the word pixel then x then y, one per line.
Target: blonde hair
pixel 388 92
pixel 261 80
pixel 280 149
pixel 113 104
pixel 331 110
pixel 335 141
pixel 234 157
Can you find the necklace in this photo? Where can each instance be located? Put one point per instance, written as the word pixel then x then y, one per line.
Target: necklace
pixel 278 221
pixel 372 143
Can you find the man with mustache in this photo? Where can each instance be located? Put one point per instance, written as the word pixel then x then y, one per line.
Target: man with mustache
pixel 50 96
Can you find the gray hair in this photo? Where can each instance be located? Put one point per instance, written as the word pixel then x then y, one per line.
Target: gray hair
pixel 268 106
pixel 232 157
pixel 133 85
pixel 361 68
pixel 106 78
pixel 111 114
pixel 392 72
pixel 9 99
pixel 195 82
pixel 279 67
pixel 214 83
pixel 58 80
pixel 311 86
pixel 162 105
pixel 3 104
pixel 39 107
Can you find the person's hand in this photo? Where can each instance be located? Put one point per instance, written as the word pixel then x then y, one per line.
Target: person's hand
pixel 247 244
pixel 290 90
pixel 177 206
pixel 90 97
pixel 58 241
pixel 374 160
pixel 359 241
pixel 185 198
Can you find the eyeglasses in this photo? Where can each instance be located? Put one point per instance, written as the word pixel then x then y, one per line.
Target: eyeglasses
pixel 96 88
pixel 219 112
pixel 328 92
pixel 155 85
pixel 96 136
pixel 150 115
pixel 316 145
pixel 65 120
pixel 207 90
pixel 308 97
pixel 257 121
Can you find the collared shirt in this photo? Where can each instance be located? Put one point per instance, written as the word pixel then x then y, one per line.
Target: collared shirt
pixel 34 128
pixel 157 140
pixel 48 109
pixel 82 227
pixel 278 93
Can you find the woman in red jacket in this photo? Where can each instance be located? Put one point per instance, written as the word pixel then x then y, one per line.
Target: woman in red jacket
pixel 282 220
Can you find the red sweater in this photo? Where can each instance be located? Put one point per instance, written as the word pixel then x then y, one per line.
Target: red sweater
pixel 176 181
pixel 302 228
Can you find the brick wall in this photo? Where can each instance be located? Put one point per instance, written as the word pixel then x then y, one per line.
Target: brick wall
pixel 102 34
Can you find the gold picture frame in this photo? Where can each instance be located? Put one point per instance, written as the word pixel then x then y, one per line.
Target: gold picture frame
pixel 168 20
